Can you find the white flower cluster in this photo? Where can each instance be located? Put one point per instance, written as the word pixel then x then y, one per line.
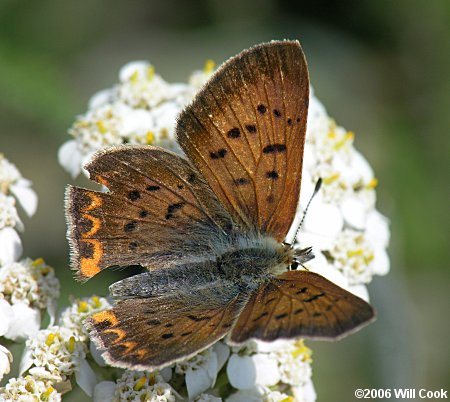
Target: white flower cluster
pixel 72 317
pixel 260 371
pixel 28 389
pixel 348 234
pixel 136 386
pixel 275 371
pixel 26 289
pixel 13 187
pixel 52 356
pixel 141 109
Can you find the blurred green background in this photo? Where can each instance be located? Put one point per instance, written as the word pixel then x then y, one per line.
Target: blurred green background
pixel 381 69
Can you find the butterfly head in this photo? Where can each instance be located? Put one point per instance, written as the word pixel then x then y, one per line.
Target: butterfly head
pixel 296 257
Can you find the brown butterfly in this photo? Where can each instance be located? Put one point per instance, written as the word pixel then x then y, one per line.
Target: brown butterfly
pixel 210 228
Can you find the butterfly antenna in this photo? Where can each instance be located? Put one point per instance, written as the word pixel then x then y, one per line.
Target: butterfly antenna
pixel 316 190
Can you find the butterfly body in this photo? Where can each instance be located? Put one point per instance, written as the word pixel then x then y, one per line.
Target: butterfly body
pixel 240 269
pixel 209 227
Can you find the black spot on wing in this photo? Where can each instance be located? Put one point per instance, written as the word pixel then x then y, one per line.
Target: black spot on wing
pixel 133 245
pixel 153 188
pixel 272 175
pixel 130 226
pixel 172 208
pixel 134 195
pixel 274 148
pixel 167 336
pixel 219 154
pixel 314 297
pixel 234 133
pixel 261 316
pixel 281 316
pixel 197 319
pixel 261 108
pixel 241 181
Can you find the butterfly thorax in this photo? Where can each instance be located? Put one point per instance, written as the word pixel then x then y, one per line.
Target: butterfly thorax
pixel 256 262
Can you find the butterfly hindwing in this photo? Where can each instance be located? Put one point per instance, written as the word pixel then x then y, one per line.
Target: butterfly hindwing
pixel 300 304
pixel 148 333
pixel 159 210
pixel 245 132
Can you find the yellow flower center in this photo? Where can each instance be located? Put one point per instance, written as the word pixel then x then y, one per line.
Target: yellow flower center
pixel 37 262
pixel 140 383
pixel 134 77
pixel 209 66
pixel 101 126
pixel 373 183
pixel 50 339
pixel 355 253
pixel 46 395
pixel 302 350
pixel 96 301
pixel 71 345
pixel 150 137
pixel 83 307
pixel 331 179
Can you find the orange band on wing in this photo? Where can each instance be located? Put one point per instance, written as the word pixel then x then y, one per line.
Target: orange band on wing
pixel 96 202
pixel 106 315
pixel 90 266
pixel 96 225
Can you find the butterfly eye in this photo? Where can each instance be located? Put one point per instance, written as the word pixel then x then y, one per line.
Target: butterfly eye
pixel 294 266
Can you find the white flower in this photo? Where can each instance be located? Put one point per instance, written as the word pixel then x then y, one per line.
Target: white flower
pixel 201 370
pixel 199 77
pixel 8 213
pixel 305 392
pixel 207 398
pixel 294 362
pixel 10 245
pixel 24 323
pixel 99 127
pixel 356 257
pixel 30 282
pixel 26 288
pixel 73 316
pixel 141 109
pixel 6 359
pixel 29 389
pixel 138 386
pixel 70 157
pixel 12 182
pixel 54 354
pixel 140 87
pixel 6 316
pixel 259 394
pixel 104 391
pixel 259 365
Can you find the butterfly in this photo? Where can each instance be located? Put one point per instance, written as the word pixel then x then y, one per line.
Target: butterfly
pixel 210 227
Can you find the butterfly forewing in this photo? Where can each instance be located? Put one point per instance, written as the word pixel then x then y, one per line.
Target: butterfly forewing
pixel 148 333
pixel 159 210
pixel 245 132
pixel 300 304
